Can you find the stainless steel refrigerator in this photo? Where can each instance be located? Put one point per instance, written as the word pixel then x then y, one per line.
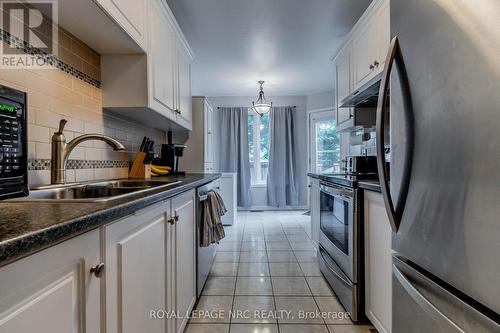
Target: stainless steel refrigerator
pixel 442 82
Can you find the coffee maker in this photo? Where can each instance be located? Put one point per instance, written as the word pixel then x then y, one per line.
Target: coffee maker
pixel 170 154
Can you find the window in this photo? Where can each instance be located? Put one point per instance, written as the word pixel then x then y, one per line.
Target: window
pixel 258 147
pixel 325 152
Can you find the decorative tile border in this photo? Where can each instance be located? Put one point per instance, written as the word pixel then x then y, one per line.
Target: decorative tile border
pixel 44 164
pixel 49 58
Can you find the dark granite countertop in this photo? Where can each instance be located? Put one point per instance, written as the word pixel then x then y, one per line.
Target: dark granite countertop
pixel 372 185
pixel 345 180
pixel 28 227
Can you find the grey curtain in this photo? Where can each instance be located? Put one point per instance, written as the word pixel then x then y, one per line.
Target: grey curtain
pixel 234 150
pixel 281 183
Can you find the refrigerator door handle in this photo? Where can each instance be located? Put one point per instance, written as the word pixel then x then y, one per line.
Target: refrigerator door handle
pixel 394 213
pixel 425 304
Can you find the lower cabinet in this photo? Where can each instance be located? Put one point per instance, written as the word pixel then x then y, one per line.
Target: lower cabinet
pixel 151 265
pixel 131 275
pixel 229 191
pixel 136 271
pixel 183 273
pixel 378 262
pixel 53 290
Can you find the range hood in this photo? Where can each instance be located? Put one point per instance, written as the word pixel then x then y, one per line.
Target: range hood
pixel 364 96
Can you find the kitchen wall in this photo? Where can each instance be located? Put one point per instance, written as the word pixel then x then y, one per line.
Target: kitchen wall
pixel 72 91
pixel 259 193
pixel 321 101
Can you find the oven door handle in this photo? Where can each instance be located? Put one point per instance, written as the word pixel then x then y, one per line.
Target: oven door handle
pixel 333 270
pixel 336 191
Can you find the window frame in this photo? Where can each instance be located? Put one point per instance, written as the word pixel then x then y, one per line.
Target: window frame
pixel 257 161
pixel 316 116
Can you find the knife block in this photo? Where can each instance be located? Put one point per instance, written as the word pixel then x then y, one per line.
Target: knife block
pixel 140 170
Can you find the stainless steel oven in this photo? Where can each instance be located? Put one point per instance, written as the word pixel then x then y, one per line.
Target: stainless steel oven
pixel 337 226
pixel 340 245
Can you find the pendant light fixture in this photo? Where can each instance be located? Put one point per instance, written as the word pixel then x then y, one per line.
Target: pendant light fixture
pixel 261 106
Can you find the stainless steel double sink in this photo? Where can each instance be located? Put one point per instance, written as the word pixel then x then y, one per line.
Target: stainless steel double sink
pixel 103 191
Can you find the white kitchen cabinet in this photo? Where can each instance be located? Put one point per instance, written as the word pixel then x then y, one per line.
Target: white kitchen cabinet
pixel 383 33
pixel 208 133
pixel 378 262
pixel 315 210
pixel 136 270
pixel 370 44
pixel 343 70
pixel 365 51
pixel 146 261
pixel 182 239
pixel 53 290
pixel 184 98
pixel 161 56
pixel 151 265
pixel 228 192
pixel 153 88
pixel 130 15
pixel 199 156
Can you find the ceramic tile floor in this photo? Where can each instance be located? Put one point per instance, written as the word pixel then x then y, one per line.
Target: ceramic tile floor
pixel 267 264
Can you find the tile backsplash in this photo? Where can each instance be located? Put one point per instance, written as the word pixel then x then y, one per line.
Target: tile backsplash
pixel 59 93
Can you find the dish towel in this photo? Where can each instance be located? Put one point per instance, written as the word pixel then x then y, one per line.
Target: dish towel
pixel 213 210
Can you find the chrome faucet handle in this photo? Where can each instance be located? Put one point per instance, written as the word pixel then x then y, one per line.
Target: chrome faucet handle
pixel 62 123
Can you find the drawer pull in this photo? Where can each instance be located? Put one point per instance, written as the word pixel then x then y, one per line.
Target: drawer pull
pixel 98 270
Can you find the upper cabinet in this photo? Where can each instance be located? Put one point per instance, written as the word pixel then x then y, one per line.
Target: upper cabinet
pixel 200 155
pixel 155 88
pixel 161 58
pixel 130 15
pixel 343 84
pixel 370 45
pixel 360 59
pixel 365 53
pixel 183 106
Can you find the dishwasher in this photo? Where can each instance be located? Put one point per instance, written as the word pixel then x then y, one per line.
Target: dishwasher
pixel 205 255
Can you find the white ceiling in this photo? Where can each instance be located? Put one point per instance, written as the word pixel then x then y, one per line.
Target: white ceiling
pixel 287 43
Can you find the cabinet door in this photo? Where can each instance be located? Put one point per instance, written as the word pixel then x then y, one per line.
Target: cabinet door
pixel 130 15
pixel 184 107
pixel 53 290
pixel 343 79
pixel 208 141
pixel 135 276
pixel 184 265
pixel 162 61
pixel 365 53
pixel 378 262
pixel 383 35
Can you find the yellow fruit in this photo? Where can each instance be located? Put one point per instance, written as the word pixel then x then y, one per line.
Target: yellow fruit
pixel 154 174
pixel 159 171
pixel 162 167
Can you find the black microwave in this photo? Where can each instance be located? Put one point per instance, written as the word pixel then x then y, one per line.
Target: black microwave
pixel 13 143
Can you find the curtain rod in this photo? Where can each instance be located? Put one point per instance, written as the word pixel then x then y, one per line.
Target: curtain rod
pixel 293 106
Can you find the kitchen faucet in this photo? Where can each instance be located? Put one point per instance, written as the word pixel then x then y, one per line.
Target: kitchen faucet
pixel 61 151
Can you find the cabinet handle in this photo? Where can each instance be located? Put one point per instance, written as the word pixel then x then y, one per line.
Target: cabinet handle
pixel 176 218
pixel 98 270
pixel 372 66
pixel 376 63
pixel 171 220
pixel 178 111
